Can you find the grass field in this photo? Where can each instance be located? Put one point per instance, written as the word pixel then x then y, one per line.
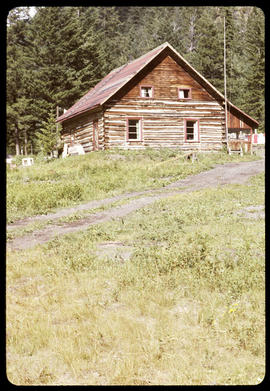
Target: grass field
pixel 174 294
pixel 63 182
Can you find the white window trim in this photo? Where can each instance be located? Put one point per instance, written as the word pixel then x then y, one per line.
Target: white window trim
pixel 196 134
pixel 139 134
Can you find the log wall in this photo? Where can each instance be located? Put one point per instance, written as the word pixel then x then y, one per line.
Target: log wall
pixel 163 124
pixel 80 128
pixel 163 116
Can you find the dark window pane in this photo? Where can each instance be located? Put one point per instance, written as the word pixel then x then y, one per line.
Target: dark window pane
pixel 186 93
pixel 146 92
pixel 132 122
pixel 133 129
pixel 190 124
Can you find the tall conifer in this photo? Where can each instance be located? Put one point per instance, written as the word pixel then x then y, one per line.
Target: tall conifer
pixel 255 72
pixel 18 117
pixel 209 51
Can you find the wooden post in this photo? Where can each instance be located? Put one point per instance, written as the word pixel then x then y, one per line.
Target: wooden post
pixel 17 140
pixel 225 86
pixel 57 115
pixel 25 142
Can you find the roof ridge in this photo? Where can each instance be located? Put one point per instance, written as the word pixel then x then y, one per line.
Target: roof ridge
pixel 150 51
pixel 113 72
pixel 95 91
pixel 112 83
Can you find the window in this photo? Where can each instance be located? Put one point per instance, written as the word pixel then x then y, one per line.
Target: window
pixel 184 93
pixel 134 131
pixel 146 92
pixel 191 130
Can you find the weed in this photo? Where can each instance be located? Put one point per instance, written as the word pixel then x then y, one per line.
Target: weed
pixel 62 182
pixel 186 308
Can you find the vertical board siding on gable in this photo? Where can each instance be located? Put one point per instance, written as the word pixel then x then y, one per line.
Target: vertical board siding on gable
pixel 166 78
pixel 236 122
pixel 163 115
pixel 82 130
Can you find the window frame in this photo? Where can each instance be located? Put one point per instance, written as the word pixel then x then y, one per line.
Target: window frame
pixel 140 129
pixel 189 89
pixel 185 130
pixel 146 86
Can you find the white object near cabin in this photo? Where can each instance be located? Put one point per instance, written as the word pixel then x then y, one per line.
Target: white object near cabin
pixel 27 161
pixel 76 149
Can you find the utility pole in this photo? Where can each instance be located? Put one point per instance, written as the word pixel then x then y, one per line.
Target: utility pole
pixel 57 115
pixel 225 86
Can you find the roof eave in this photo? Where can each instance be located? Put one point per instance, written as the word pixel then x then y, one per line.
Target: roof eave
pixel 201 78
pixel 243 113
pixel 59 120
pixel 222 97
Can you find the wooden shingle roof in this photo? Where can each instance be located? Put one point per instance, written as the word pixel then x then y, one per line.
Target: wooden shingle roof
pixel 119 77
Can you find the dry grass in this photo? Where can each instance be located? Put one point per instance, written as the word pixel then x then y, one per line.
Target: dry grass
pixel 41 188
pixel 81 329
pixel 187 308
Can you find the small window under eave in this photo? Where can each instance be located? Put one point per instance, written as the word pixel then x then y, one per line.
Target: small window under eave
pixel 184 93
pixel 147 92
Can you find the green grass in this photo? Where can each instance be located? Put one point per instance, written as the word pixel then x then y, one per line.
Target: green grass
pixel 46 186
pixel 187 308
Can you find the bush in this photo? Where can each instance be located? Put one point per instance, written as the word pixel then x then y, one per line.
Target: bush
pixel 93 176
pixel 35 198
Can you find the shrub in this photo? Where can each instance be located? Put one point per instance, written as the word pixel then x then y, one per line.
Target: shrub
pixel 35 198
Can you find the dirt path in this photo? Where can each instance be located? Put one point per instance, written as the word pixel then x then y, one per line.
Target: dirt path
pixel 229 173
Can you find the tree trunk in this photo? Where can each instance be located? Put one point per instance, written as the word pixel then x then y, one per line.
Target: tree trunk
pixel 17 141
pixel 25 142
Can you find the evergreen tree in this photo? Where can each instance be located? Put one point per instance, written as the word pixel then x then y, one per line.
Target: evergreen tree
pixel 209 51
pixel 112 44
pixel 52 79
pixel 59 54
pixel 230 33
pixel 235 28
pixel 255 72
pixel 17 117
pixel 48 137
pixel 60 60
pixel 191 33
pixel 139 41
pixel 88 68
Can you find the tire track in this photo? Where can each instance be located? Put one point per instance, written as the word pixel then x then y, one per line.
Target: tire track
pixel 221 175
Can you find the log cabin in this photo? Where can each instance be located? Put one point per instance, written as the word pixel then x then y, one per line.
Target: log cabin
pixel 157 100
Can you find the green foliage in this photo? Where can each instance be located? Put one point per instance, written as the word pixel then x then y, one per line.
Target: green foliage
pixel 56 56
pixel 63 182
pixel 49 135
pixel 209 50
pixel 187 307
pixel 255 73
pixel 40 198
pixel 19 117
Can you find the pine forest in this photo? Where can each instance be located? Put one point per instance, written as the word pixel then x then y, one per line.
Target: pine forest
pixel 56 54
